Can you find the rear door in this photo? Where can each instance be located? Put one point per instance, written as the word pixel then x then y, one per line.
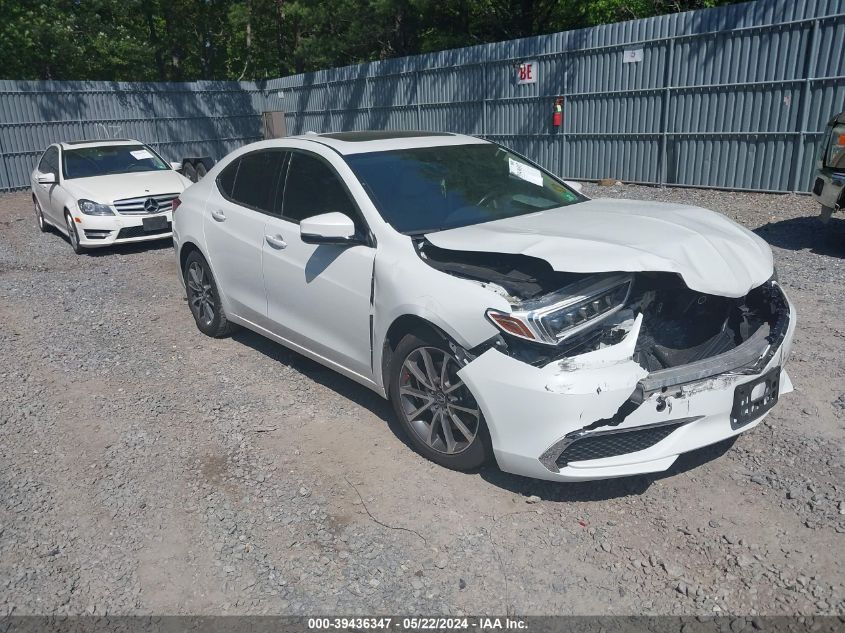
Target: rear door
pixel 318 295
pixel 236 212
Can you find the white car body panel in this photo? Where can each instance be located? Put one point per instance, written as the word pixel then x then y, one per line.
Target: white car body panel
pixel 320 300
pixel 321 295
pixel 234 234
pixel 713 254
pixel 107 189
pixel 65 194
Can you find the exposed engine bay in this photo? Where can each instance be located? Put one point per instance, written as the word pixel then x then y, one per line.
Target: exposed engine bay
pixel 679 325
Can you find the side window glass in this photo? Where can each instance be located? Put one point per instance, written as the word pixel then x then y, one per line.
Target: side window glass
pixel 49 162
pixel 256 180
pixel 312 188
pixel 226 179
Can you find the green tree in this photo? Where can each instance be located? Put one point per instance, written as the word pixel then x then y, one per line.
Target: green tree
pixel 182 40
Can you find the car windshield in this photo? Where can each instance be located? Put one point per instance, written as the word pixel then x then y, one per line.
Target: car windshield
pixel 422 190
pixel 103 160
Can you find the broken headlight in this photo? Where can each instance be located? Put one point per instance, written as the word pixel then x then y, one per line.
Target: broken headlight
pixel 562 314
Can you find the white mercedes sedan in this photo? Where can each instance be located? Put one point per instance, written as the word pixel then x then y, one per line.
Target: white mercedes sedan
pixel 100 193
pixel 505 315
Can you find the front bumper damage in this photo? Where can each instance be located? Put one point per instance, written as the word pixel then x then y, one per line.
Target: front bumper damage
pixel 602 415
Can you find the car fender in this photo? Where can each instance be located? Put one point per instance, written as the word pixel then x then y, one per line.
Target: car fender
pixel 404 285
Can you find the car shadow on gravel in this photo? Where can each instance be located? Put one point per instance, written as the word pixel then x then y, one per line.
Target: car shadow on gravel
pixel 313 370
pixel 546 490
pixel 806 233
pixel 606 489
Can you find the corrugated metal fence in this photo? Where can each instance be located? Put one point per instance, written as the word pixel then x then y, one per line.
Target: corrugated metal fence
pixel 177 119
pixel 735 97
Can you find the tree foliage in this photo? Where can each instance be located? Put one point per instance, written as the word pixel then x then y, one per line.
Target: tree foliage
pixel 181 40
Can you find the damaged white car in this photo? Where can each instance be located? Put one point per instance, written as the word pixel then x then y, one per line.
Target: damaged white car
pixel 505 315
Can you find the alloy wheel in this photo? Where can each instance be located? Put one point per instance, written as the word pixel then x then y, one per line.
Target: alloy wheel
pixel 201 293
pixel 39 215
pixel 71 233
pixel 437 404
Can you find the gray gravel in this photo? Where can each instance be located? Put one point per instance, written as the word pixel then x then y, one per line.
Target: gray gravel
pixel 148 469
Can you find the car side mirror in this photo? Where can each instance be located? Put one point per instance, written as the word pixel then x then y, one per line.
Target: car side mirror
pixel 46 179
pixel 176 166
pixel 577 187
pixel 328 228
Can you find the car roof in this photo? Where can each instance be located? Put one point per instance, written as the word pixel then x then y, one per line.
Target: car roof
pixel 382 141
pixel 99 143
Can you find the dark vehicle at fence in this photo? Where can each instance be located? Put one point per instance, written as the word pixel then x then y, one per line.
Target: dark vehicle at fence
pixel 829 185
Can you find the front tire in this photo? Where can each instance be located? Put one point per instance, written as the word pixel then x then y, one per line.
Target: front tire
pixel 73 235
pixel 436 409
pixel 39 216
pixel 204 297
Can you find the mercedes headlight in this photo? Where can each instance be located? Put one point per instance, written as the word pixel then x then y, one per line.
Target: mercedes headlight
pixel 563 314
pixel 89 207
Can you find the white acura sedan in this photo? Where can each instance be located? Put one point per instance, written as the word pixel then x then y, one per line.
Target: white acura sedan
pixel 100 193
pixel 505 315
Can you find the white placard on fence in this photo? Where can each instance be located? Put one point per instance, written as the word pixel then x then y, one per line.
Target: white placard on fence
pixel 526 73
pixel 632 56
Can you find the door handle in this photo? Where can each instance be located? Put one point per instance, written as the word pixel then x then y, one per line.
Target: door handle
pixel 218 215
pixel 276 241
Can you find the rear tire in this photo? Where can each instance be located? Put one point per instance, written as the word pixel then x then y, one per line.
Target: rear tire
pixel 189 171
pixel 436 409
pixel 204 297
pixel 201 171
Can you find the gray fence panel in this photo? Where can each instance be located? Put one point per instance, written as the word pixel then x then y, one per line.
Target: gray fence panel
pixel 734 97
pixel 177 119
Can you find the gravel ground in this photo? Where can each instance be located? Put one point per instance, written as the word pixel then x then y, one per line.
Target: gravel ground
pixel 148 469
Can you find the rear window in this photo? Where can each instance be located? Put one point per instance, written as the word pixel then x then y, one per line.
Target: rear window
pixel 251 180
pixel 103 160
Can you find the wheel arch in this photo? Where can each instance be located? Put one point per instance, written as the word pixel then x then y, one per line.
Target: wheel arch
pixel 400 327
pixel 185 249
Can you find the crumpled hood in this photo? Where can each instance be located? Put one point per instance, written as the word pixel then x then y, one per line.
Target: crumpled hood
pixel 712 254
pixel 107 189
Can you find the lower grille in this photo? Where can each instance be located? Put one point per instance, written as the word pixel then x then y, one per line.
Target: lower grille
pixel 613 443
pixel 138 231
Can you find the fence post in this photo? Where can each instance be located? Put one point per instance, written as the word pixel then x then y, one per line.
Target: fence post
pixel 566 117
pixel 484 95
pixel 369 99
pixel 5 177
pixel 803 111
pixel 662 176
pixel 417 98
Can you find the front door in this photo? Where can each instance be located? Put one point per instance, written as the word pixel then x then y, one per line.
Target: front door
pixel 318 295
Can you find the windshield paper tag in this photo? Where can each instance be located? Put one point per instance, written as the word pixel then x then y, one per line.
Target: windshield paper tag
pixel 525 172
pixel 141 154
